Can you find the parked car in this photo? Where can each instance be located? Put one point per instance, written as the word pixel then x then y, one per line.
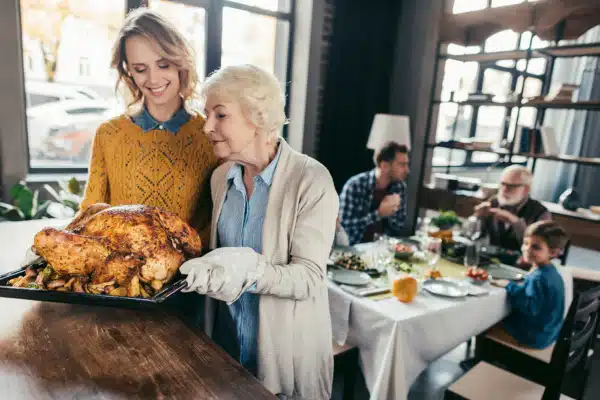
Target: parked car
pixel 64 130
pixel 39 93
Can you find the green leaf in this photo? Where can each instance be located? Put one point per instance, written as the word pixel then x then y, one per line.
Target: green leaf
pixel 74 186
pixel 24 201
pixel 34 203
pixel 16 189
pixel 41 211
pixel 14 215
pixel 71 204
pixel 52 192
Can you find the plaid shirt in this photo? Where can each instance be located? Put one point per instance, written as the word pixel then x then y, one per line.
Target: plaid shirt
pixel 356 212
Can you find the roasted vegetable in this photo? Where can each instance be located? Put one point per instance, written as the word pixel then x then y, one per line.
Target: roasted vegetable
pixel 351 261
pixel 56 284
pixel 133 290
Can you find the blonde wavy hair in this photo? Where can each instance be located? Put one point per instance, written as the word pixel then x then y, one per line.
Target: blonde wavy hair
pixel 172 46
pixel 258 92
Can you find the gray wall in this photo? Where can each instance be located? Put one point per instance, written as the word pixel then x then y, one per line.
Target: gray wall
pixel 13 140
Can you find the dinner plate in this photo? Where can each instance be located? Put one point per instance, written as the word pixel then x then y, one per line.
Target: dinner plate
pixel 445 288
pixel 349 277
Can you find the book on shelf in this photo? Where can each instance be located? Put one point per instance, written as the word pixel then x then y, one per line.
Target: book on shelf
pixel 536 141
pixel 549 142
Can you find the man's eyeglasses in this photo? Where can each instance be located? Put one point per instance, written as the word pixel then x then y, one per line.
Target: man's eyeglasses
pixel 511 186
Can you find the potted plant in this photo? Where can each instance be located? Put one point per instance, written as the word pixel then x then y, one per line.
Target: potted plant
pixel 25 204
pixel 67 199
pixel 445 221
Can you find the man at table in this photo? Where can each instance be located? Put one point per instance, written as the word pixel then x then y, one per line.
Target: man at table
pixel 375 201
pixel 506 216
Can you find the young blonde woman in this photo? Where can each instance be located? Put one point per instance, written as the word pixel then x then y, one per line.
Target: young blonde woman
pixel 273 225
pixel 156 153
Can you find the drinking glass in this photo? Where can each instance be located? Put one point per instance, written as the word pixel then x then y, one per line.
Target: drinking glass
pixel 382 254
pixel 433 250
pixel 472 255
pixel 473 228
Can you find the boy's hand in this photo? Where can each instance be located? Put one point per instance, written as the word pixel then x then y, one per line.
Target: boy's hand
pixel 500 282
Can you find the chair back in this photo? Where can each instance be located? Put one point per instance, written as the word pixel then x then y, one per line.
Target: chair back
pixel 574 341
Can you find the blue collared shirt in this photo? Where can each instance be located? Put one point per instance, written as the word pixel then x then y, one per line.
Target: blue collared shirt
pixel 240 225
pixel 147 122
pixel 356 207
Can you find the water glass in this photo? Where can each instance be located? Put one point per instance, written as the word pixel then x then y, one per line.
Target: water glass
pixel 433 250
pixel 473 228
pixel 472 255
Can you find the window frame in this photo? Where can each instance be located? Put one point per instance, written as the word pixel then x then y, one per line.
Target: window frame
pixel 214 25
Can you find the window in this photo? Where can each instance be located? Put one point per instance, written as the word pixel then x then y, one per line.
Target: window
pixel 191 20
pixel 69 85
pixel 497 82
pixel 272 5
pixel 64 71
pixel 255 39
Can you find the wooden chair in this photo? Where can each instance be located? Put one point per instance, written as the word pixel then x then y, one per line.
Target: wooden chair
pixel 497 347
pixel 486 381
pixel 345 360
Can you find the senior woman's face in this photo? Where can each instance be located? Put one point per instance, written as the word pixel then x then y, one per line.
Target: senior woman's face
pixel 229 131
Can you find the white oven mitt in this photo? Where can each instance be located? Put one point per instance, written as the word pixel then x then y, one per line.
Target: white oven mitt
pixel 225 273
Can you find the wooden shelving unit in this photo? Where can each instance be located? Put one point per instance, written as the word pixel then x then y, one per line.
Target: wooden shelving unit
pixel 575 17
pixel 589 50
pixel 551 20
pixel 503 152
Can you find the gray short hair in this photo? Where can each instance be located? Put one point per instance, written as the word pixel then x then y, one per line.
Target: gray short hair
pixel 258 91
pixel 525 175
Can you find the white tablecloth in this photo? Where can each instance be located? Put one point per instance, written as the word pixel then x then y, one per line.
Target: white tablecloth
pixel 397 341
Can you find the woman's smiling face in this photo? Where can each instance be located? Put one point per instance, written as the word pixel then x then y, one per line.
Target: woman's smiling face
pixel 156 77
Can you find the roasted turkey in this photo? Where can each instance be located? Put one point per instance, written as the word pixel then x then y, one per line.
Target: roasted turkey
pixel 122 245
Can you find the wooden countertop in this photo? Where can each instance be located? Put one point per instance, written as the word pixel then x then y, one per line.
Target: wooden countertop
pixel 50 350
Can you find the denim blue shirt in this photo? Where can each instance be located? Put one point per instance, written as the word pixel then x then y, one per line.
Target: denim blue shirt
pixel 147 122
pixel 240 225
pixel 538 307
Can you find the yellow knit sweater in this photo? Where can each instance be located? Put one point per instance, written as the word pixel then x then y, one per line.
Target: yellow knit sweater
pixel 155 168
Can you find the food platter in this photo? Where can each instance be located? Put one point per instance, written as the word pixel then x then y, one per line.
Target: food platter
pixel 175 285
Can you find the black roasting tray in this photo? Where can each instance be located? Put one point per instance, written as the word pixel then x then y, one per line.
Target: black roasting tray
pixel 155 301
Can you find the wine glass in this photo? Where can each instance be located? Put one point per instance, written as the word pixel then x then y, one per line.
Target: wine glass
pixel 433 250
pixel 473 228
pixel 383 254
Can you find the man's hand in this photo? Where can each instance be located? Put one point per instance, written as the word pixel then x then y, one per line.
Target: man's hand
pixel 503 215
pixel 483 209
pixel 500 282
pixel 389 205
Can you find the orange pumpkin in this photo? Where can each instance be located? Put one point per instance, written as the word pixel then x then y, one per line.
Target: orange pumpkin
pixel 404 288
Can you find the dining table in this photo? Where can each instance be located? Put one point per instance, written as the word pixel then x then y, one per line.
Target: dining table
pixel 53 350
pixel 396 340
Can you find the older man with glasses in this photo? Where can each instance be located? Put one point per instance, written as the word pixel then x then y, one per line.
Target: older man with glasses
pixel 506 216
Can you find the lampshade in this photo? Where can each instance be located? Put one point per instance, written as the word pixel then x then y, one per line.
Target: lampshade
pixel 387 128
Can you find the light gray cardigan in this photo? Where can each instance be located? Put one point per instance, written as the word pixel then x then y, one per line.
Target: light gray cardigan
pixel 294 332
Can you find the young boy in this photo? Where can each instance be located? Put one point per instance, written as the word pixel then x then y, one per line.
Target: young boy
pixel 538 304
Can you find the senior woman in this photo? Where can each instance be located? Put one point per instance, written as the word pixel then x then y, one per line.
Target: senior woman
pixel 273 225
